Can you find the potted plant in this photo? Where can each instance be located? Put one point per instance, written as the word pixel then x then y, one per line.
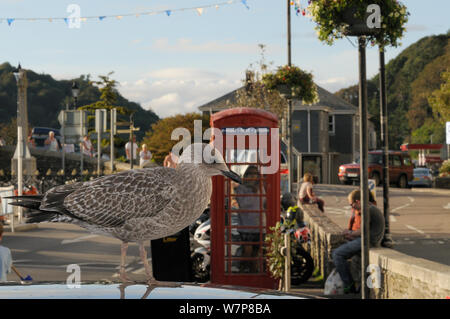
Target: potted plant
pixel 291 81
pixel 338 18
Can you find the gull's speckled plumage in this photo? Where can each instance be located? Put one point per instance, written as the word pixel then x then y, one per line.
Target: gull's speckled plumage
pixel 135 205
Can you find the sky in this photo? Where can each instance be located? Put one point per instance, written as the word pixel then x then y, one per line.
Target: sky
pixel 179 57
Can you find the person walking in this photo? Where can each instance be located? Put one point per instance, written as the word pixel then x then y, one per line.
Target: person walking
pixel 145 156
pixel 86 146
pixel 5 259
pixel 135 150
pixel 52 142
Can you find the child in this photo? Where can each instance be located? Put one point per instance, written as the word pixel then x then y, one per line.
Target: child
pixel 5 259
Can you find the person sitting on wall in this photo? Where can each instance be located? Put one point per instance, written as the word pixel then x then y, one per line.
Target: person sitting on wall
pixel 353 246
pixel 306 194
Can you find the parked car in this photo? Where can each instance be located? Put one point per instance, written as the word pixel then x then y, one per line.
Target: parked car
pixel 400 169
pixel 422 177
pixel 40 134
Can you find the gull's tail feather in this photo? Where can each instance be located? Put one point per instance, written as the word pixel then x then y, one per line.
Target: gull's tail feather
pixel 36 215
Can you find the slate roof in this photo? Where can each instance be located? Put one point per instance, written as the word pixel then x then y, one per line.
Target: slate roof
pixel 326 100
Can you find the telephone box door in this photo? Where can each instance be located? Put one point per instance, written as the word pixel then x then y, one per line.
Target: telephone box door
pixel 242 214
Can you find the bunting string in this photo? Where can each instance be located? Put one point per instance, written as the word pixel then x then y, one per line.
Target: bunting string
pixel 199 10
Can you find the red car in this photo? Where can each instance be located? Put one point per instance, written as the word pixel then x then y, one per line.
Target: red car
pixel 400 169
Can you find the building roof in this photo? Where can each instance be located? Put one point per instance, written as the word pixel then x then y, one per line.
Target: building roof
pixel 327 101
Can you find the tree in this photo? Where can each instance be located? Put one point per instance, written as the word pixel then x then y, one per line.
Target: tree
pixel 440 100
pixel 8 131
pixel 159 139
pixel 255 94
pixel 108 96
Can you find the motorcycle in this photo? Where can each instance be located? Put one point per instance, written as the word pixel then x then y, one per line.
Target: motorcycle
pixel 302 266
pixel 201 247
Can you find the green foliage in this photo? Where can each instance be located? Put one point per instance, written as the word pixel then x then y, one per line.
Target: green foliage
pixel 440 99
pixel 8 131
pixel 275 241
pixel 300 82
pixel 445 169
pixel 419 62
pixel 329 17
pixel 423 134
pixel 159 139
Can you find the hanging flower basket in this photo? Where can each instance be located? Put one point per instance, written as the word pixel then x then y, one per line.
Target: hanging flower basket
pixel 338 18
pixel 292 82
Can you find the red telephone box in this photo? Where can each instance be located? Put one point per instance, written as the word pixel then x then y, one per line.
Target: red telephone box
pixel 241 215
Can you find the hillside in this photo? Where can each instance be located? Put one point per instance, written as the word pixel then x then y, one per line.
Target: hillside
pixel 47 96
pixel 411 77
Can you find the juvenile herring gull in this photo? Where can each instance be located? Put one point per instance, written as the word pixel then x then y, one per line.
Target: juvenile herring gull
pixel 135 205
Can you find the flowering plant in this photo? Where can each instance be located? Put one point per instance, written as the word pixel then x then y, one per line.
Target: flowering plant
pixel 300 83
pixel 330 17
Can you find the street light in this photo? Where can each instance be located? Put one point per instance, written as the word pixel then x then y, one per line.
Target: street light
pixel 75 92
pixel 17 74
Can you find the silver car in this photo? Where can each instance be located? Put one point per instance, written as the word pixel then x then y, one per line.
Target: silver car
pixel 422 177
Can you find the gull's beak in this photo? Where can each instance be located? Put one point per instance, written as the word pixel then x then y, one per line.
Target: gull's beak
pixel 232 175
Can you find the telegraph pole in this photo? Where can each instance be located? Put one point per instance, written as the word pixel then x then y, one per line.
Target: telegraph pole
pixel 364 173
pixel 387 240
pixel 289 100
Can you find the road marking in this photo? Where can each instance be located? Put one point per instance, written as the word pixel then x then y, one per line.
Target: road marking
pixel 411 200
pixel 446 206
pixel 418 230
pixel 392 218
pixel 76 240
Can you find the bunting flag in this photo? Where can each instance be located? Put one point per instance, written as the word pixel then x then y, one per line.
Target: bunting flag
pixel 168 12
pixel 244 2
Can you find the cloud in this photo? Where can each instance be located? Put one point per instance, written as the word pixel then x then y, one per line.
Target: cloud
pixel 187 45
pixel 178 90
pixel 416 28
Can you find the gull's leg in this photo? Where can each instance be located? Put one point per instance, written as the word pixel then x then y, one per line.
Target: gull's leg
pixel 150 279
pixel 148 270
pixel 123 255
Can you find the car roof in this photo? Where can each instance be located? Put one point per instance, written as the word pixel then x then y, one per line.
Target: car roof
pixel 135 291
pixel 41 130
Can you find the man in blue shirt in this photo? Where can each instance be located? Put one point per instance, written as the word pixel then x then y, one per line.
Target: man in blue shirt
pixel 5 259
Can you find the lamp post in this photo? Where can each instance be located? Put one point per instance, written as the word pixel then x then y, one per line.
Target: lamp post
pixel 75 93
pixel 22 153
pixel 289 111
pixel 387 240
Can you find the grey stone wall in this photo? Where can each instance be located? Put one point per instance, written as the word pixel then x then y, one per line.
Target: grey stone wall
pixel 46 160
pixel 325 236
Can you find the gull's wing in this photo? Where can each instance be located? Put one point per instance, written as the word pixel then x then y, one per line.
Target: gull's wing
pixel 111 200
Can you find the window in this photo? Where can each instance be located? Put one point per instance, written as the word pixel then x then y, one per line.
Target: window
pixel 331 124
pixel 394 160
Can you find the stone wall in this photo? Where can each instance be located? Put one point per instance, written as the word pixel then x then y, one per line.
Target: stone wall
pixel 325 236
pixel 401 276
pixel 48 160
pixel 406 277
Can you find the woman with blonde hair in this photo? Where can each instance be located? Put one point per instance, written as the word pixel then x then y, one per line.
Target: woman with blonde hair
pixel 306 194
